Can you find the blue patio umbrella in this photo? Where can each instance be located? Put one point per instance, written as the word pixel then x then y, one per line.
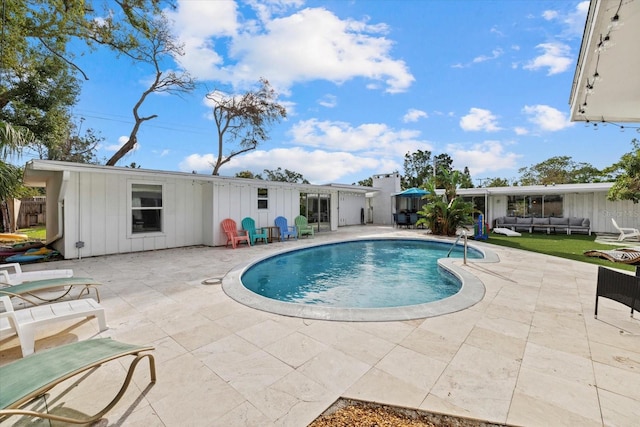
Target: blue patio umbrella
pixel 413 192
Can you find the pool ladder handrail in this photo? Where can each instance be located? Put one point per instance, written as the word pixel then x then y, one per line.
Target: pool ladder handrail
pixel 463 234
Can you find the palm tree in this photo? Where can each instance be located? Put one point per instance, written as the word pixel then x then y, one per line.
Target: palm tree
pixel 444 214
pixel 11 141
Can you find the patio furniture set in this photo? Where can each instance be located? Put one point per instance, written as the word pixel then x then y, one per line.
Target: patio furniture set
pixel 35 374
pixel 250 234
pixel 548 224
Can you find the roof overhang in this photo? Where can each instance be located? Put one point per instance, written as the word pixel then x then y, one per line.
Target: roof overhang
pixel 606 86
pixel 598 187
pixel 37 172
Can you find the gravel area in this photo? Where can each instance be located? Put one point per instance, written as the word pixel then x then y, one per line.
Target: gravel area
pixel 352 413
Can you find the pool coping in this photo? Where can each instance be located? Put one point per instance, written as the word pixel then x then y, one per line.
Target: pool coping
pixel 471 292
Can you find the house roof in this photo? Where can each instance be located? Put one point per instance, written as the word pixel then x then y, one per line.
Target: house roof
pixel 606 86
pixel 36 173
pixel 537 189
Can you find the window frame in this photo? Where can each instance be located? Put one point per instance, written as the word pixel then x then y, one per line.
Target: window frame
pixel 263 199
pixel 131 233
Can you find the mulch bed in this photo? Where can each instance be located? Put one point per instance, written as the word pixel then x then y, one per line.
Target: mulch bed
pixel 354 413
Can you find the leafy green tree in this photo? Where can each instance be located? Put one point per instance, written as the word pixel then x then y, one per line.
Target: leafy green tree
pixel 365 182
pixel 418 168
pixel 497 182
pixel 12 140
pixel 41 39
pixel 443 164
pixel 244 120
pixel 465 179
pixel 284 176
pixel 74 147
pixel 627 176
pixel 248 174
pixel 559 170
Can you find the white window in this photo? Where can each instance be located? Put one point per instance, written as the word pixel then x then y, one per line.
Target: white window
pixel 146 208
pixel 263 198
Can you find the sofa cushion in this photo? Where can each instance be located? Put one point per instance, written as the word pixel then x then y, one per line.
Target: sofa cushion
pixel 526 221
pixel 558 221
pixel 540 221
pixel 575 222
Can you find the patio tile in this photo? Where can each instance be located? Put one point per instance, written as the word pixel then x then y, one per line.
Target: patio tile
pixel 463 383
pixel 619 410
pixel 334 370
pixel 530 353
pixel 412 367
pixel 296 349
pixel 382 387
pixel 550 399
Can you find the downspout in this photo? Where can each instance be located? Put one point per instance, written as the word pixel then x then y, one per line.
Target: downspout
pixel 63 189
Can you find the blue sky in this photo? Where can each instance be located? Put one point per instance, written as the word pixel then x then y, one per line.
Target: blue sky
pixel 364 82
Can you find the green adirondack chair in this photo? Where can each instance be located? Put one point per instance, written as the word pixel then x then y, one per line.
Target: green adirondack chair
pixel 304 229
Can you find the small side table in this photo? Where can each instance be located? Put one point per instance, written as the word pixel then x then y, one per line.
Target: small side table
pixel 274 233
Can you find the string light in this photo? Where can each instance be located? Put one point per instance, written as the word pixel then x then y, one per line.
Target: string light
pixel 603 44
pixel 604 122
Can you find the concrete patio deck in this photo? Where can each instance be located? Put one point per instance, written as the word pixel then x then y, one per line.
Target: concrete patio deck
pixel 530 353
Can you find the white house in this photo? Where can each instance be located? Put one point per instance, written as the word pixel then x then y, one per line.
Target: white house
pixel 561 200
pixel 97 210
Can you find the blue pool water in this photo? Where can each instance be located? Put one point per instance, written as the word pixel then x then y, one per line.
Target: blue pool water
pixel 358 274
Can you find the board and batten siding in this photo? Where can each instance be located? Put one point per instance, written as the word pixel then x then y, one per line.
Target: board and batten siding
pixel 98 213
pixel 239 200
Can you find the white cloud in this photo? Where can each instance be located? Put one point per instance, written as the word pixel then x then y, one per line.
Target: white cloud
pixel 121 141
pixel 414 115
pixel 520 130
pixel 311 44
pixel 328 101
pixel 547 118
pixel 487 156
pixel 572 21
pixel 312 164
pixel 479 119
pixel 198 163
pixel 556 58
pixel 495 54
pixel 368 139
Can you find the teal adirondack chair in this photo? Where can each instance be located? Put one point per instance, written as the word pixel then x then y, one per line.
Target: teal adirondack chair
pixel 249 225
pixel 304 229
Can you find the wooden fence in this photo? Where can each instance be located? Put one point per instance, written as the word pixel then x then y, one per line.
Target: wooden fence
pixel 32 212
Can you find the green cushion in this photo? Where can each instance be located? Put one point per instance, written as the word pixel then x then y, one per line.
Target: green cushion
pixel 41 371
pixel 41 285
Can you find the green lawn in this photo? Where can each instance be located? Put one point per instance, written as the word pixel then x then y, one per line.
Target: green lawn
pixel 35 233
pixel 560 245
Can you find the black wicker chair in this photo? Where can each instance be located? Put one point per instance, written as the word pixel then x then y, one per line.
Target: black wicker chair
pixel 620 287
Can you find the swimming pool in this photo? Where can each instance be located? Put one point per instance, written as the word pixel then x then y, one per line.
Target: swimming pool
pixel 364 280
pixel 358 274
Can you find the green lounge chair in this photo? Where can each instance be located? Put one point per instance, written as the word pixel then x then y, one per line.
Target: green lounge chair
pixel 304 229
pixel 33 376
pixel 249 225
pixel 32 292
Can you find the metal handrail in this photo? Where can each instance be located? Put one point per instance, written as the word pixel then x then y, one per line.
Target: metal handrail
pixel 464 234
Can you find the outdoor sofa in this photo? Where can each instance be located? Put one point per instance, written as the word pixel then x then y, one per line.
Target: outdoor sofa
pixel 548 224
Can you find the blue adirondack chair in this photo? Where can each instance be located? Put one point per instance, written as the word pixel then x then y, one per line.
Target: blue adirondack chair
pixel 249 225
pixel 285 229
